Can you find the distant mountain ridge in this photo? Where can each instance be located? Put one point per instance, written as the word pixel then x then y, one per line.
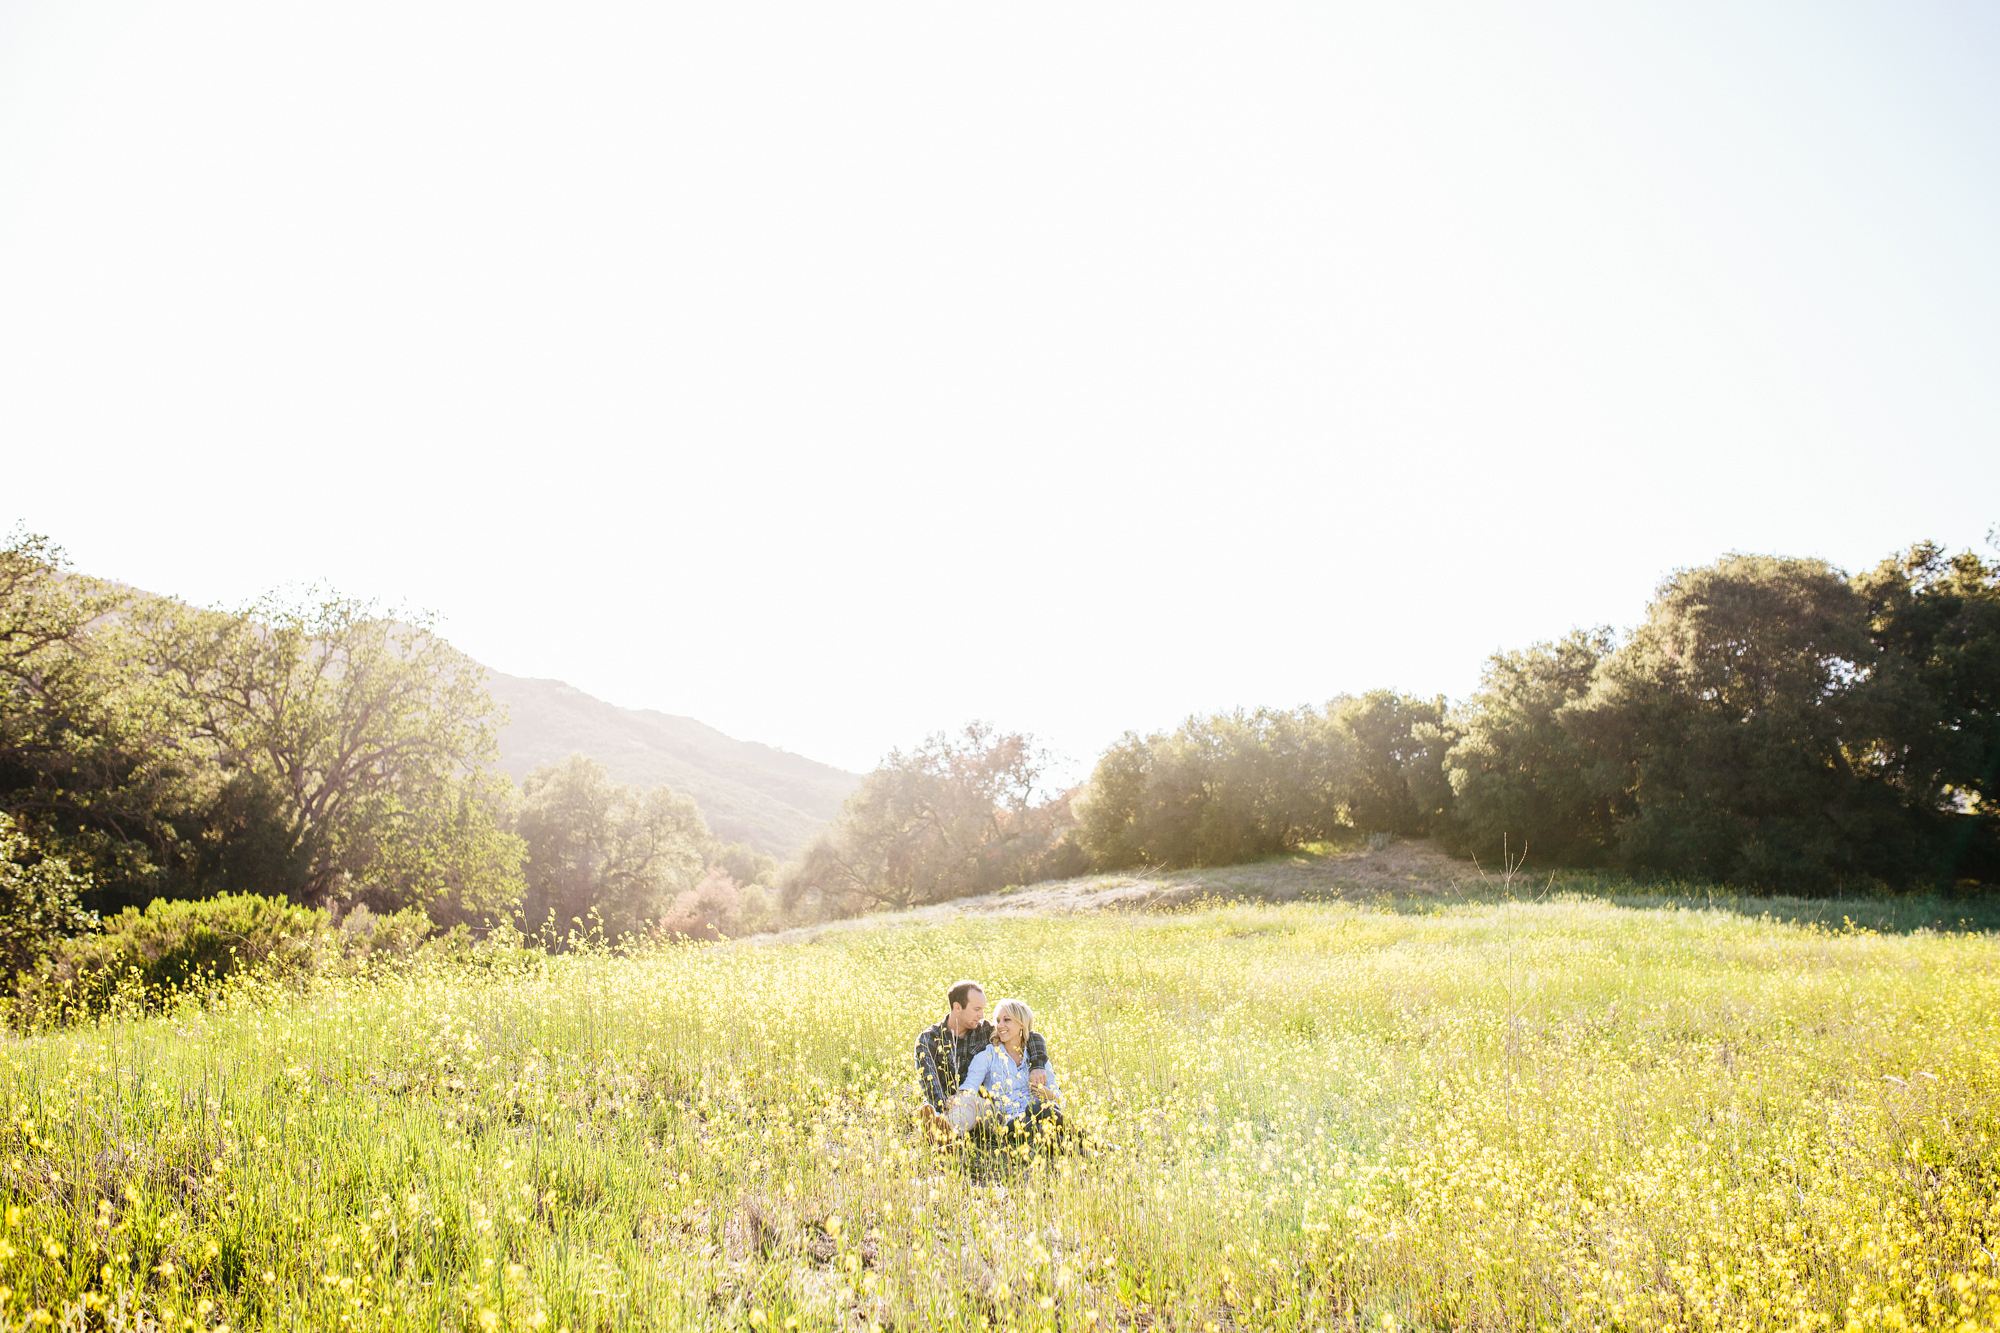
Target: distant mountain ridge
pixel 750 793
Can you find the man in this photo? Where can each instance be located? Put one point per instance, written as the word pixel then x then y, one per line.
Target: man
pixel 945 1050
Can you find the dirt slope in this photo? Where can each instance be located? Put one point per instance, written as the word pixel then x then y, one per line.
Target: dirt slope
pixel 1403 869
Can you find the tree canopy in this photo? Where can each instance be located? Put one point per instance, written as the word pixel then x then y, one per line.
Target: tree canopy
pixel 1773 723
pixel 603 858
pixel 959 814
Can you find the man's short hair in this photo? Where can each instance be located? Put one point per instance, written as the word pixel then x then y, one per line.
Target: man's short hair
pixel 960 992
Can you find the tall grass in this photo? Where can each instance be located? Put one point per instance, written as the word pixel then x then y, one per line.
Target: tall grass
pixel 1555 1114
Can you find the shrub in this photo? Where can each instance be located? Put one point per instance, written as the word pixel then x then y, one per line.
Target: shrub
pixel 384 935
pixel 1238 786
pixel 717 908
pixel 503 949
pixel 169 949
pixel 145 960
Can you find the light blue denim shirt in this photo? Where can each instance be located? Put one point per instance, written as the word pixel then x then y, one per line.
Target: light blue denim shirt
pixel 1005 1081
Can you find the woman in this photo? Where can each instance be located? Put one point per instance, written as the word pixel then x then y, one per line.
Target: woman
pixel 999 1076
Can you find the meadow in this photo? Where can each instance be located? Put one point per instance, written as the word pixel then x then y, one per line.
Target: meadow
pixel 1559 1114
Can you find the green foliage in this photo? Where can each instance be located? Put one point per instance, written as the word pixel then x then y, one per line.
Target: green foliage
pixel 1935 622
pixel 1731 717
pixel 1231 787
pixel 317 750
pixel 41 900
pixel 455 855
pixel 344 726
pixel 957 816
pixel 1396 783
pixel 1772 724
pixel 1522 777
pixel 1238 786
pixel 197 952
pixel 169 949
pixel 94 755
pixel 602 857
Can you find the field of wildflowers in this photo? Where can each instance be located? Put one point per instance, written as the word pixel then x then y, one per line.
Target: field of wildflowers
pixel 1564 1114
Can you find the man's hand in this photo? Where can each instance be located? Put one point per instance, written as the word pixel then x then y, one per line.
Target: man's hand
pixel 1038 1078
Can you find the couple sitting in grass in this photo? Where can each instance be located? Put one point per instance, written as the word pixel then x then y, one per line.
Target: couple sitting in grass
pixel 986 1081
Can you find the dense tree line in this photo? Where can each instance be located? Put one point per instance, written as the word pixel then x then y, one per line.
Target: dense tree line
pixel 316 751
pixel 1771 723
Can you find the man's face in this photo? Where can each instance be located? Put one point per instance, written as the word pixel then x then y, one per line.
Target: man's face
pixel 967 1016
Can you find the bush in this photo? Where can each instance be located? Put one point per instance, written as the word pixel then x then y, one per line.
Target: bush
pixel 145 960
pixel 502 949
pixel 1223 789
pixel 716 908
pixel 1239 786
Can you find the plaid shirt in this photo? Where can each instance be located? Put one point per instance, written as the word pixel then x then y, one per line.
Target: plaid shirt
pixel 943 1058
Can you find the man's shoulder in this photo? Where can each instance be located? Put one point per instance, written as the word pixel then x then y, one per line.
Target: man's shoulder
pixel 930 1035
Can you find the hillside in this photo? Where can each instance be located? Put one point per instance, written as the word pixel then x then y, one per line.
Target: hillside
pixel 754 794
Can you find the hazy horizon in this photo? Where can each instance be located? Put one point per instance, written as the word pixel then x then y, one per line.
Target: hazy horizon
pixel 835 378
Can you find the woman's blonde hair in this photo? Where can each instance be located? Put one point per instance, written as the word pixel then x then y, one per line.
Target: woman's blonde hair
pixel 1019 1011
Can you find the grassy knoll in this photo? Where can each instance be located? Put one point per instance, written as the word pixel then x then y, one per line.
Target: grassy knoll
pixel 1563 1114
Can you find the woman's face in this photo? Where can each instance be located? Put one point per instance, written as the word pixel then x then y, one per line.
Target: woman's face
pixel 1007 1030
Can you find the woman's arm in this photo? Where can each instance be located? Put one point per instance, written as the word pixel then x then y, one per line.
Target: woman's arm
pixel 978 1071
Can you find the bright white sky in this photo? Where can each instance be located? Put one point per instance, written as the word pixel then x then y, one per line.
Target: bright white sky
pixel 835 373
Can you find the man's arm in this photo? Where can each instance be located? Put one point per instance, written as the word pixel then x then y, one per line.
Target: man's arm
pixel 1038 1060
pixel 1038 1051
pixel 929 1082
